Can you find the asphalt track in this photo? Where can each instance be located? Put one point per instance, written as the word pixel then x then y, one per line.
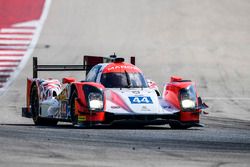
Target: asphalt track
pixel 206 41
pixel 215 146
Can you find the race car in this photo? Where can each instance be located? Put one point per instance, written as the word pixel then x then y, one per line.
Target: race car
pixel 113 91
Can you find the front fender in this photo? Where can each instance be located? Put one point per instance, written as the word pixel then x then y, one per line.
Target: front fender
pixel 81 103
pixel 171 93
pixel 82 99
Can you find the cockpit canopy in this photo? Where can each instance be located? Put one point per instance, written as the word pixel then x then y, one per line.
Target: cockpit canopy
pixel 117 75
pixel 123 80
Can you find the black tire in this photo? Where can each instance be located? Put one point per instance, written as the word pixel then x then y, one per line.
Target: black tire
pixel 74 117
pixel 178 125
pixel 35 108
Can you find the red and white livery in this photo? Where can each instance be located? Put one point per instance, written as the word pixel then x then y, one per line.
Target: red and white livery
pixel 114 91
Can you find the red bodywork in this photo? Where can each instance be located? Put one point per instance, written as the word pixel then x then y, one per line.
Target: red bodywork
pixel 82 106
pixel 171 94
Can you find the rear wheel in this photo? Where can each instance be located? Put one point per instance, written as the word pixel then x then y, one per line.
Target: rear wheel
pixel 35 109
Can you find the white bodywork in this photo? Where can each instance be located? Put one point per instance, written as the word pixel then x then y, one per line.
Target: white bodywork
pixel 126 101
pixel 135 101
pixel 49 104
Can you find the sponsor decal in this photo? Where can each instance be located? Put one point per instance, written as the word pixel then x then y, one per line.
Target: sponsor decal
pixel 115 107
pixel 141 100
pixel 122 67
pixel 169 107
pixel 136 92
pixel 63 95
pixel 65 108
pixel 81 118
pixel 144 108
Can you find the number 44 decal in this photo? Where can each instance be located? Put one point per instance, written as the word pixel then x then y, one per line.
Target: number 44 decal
pixel 141 100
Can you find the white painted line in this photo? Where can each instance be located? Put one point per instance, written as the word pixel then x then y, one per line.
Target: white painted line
pixel 226 98
pixel 30 50
pixel 13 47
pixel 9 63
pixel 14 30
pixel 11 57
pixel 7 68
pixel 4 73
pixel 11 52
pixel 15 41
pixel 9 60
pixel 15 36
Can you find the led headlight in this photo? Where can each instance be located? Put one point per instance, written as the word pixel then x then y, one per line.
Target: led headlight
pixel 95 101
pixel 188 98
pixel 188 103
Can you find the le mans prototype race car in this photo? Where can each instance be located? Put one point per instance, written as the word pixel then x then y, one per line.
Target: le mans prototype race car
pixel 114 91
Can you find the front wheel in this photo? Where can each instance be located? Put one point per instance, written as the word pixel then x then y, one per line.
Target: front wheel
pixel 178 125
pixel 74 116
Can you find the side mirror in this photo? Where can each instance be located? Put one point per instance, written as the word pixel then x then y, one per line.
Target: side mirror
pixel 201 105
pixel 199 101
pixel 68 80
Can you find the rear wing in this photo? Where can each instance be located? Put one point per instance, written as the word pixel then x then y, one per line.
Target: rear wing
pixel 88 63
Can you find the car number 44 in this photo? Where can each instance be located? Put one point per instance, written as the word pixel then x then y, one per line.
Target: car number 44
pixel 141 100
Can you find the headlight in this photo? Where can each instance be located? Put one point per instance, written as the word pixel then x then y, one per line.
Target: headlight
pixel 188 104
pixel 188 98
pixel 95 101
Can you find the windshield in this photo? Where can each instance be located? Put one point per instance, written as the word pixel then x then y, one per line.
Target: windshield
pixel 123 80
pixel 188 93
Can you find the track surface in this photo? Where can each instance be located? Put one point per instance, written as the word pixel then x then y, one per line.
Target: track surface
pixel 220 144
pixel 206 41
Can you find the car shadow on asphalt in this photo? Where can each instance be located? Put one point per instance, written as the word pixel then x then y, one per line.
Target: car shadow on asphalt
pixel 98 127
